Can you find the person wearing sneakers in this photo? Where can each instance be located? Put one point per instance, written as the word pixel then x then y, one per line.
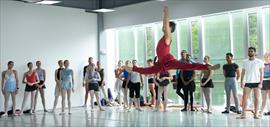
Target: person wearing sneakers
pixel 231 73
pixel 10 87
pixel 252 72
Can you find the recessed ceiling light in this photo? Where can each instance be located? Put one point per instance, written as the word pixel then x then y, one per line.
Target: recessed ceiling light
pixel 48 2
pixel 103 10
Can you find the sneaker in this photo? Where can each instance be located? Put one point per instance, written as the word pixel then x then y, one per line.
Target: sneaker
pixel 192 110
pixel 226 112
pixel 238 112
pixel 184 109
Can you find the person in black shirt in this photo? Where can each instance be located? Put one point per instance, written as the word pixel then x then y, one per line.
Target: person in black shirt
pixel 187 77
pixel 231 73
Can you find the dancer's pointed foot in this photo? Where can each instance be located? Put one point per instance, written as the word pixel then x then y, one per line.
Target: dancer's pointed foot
pixel 127 68
pixel 215 67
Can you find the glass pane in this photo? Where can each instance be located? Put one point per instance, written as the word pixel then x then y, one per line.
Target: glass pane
pixel 150 43
pixel 195 39
pixel 183 33
pixel 267 29
pixel 126 44
pixel 253 31
pixel 140 46
pixel 217 42
pixel 238 35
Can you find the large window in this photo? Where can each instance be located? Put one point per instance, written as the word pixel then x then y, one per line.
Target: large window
pixel 195 39
pixel 220 33
pixel 140 46
pixel 183 35
pixel 267 29
pixel 150 43
pixel 253 31
pixel 238 35
pixel 126 44
pixel 217 44
pixel 217 36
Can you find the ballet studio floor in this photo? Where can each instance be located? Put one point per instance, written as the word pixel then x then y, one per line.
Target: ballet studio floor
pixel 114 116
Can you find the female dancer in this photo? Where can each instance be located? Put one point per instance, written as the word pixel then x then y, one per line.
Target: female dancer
pixel 135 84
pixel 166 61
pixel 124 77
pixel 41 85
pixel 92 78
pixel 163 82
pixel 30 78
pixel 67 83
pixel 90 61
pixel 119 81
pixel 58 90
pixel 151 84
pixel 207 84
pixel 102 81
pixel 266 82
pixel 10 87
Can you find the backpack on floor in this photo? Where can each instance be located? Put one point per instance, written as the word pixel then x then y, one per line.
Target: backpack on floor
pixel 103 102
pixel 110 94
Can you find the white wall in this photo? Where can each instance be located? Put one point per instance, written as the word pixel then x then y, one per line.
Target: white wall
pixel 48 33
pixel 149 12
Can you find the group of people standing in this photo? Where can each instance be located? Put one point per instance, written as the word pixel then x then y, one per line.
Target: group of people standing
pixel 35 79
pixel 255 75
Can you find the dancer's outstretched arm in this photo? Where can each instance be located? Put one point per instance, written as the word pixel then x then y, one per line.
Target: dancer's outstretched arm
pixel 166 25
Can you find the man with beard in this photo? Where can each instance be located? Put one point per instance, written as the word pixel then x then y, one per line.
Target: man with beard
pixel 253 73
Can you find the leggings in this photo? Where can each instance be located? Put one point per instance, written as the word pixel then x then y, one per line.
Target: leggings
pixel 188 92
pixel 169 65
pixel 134 87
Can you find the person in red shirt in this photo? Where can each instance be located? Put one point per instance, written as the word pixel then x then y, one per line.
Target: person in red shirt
pixel 166 61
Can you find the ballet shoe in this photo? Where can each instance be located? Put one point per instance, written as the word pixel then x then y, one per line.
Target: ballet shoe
pixel 215 67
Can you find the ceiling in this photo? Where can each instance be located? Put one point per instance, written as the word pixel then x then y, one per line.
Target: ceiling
pixel 89 5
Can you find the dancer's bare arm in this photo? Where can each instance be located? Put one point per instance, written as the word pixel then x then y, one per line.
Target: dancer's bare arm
pixel 166 25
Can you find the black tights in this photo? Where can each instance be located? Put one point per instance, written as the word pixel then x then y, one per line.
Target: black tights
pixel 188 91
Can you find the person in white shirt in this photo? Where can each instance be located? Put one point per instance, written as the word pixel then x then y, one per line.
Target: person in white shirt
pixel 252 72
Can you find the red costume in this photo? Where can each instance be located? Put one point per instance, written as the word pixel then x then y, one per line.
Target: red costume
pixel 166 61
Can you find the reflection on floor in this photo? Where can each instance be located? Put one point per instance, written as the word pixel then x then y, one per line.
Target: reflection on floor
pixel 114 116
